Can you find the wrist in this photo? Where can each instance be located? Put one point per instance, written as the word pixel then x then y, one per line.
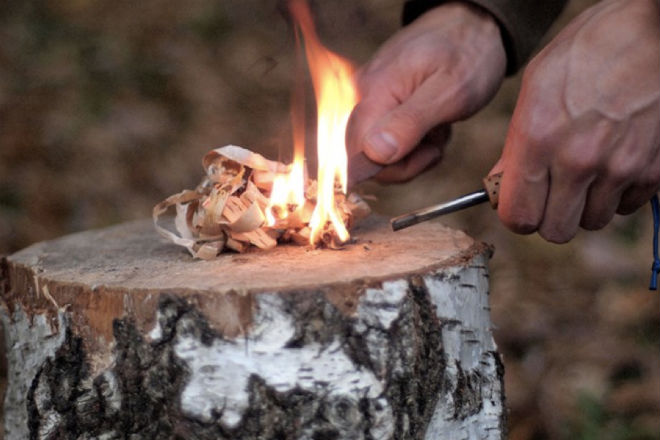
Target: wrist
pixel 415 10
pixel 470 15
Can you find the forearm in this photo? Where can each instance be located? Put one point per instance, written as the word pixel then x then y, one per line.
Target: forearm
pixel 522 22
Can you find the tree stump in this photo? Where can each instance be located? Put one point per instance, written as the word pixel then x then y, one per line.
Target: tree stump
pixel 116 334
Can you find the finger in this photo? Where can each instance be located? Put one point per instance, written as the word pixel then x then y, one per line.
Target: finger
pixel 428 153
pixel 563 211
pixel 647 183
pixel 366 113
pixel 522 200
pixel 438 135
pixel 398 132
pixel 525 182
pixel 424 157
pixel 635 197
pixel 603 198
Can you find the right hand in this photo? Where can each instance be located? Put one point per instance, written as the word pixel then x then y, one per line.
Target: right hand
pixel 584 139
pixel 441 68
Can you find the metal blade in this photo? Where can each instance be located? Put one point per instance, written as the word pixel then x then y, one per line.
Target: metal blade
pixel 360 168
pixel 421 215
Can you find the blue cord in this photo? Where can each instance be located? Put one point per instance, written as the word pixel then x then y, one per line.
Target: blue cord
pixel 655 269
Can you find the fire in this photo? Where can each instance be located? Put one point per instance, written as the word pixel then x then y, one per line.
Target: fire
pixel 288 193
pixel 247 200
pixel 336 95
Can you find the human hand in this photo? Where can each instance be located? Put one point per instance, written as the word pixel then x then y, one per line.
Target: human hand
pixel 441 68
pixel 584 140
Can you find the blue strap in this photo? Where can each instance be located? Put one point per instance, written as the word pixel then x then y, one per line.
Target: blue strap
pixel 655 269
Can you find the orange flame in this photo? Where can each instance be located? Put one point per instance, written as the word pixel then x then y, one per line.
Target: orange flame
pixel 288 192
pixel 336 95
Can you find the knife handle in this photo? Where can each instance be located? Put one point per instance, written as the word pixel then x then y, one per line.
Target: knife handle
pixel 492 187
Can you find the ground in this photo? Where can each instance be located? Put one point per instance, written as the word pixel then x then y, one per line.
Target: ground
pixel 108 107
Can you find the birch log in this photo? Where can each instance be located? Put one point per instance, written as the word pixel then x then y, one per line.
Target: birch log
pixel 115 334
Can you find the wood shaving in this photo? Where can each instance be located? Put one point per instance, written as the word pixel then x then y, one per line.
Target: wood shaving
pixel 227 210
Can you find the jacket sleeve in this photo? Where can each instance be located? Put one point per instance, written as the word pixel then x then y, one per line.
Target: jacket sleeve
pixel 522 22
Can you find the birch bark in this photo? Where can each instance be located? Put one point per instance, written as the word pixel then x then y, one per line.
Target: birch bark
pixel 115 334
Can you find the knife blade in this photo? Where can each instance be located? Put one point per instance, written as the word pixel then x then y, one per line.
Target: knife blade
pixel 489 193
pixel 360 168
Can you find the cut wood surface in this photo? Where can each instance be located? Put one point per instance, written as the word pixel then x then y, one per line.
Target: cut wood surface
pixel 116 333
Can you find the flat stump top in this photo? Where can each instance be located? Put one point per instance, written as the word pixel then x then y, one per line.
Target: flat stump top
pixel 133 256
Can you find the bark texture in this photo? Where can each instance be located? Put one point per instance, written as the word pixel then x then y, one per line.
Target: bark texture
pixel 113 334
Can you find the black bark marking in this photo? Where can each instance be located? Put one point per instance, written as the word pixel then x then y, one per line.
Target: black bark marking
pixel 57 388
pixel 147 378
pixel 467 395
pixel 413 393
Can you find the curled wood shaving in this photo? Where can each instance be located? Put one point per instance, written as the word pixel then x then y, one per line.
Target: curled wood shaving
pixel 239 155
pixel 227 210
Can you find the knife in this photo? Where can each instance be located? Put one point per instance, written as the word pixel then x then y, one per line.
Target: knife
pixel 489 193
pixel 361 168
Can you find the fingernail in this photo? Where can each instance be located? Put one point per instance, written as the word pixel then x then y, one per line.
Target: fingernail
pixel 382 145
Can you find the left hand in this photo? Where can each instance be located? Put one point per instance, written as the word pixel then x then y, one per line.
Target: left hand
pixel 441 68
pixel 584 140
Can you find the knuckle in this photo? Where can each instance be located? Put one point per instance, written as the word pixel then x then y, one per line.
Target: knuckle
pixel 409 120
pixel 540 139
pixel 519 222
pixel 621 172
pixel 555 234
pixel 618 175
pixel 537 143
pixel 627 208
pixel 651 180
pixel 578 166
pixel 593 223
pixel 423 57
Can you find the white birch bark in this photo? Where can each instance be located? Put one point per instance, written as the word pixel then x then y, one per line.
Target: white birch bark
pixel 112 334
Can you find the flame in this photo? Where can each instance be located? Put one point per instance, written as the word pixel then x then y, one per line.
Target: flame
pixel 336 95
pixel 288 191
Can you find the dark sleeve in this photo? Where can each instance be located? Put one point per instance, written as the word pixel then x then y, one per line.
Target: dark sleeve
pixel 522 22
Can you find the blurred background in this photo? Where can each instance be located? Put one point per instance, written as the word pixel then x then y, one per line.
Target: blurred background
pixel 107 107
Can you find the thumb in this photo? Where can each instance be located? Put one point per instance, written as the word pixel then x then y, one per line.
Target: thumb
pixel 385 123
pixel 396 134
pixel 363 117
pixel 398 131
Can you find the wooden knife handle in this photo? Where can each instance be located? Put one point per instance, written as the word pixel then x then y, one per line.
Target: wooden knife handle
pixel 492 187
